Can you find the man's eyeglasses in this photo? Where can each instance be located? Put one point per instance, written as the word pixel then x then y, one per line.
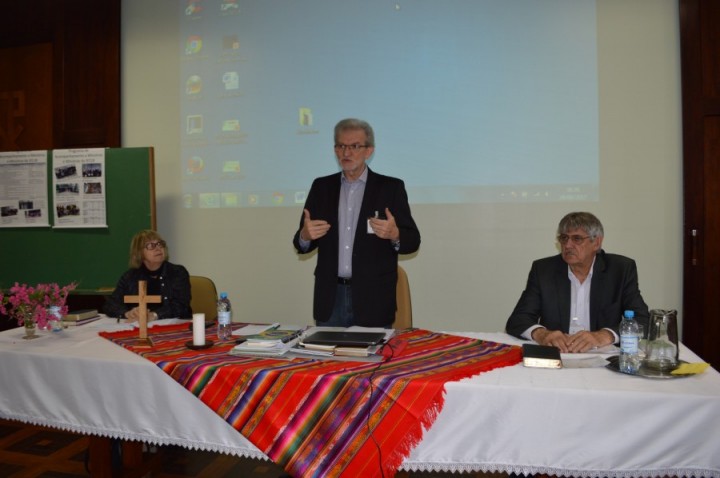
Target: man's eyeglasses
pixel 150 246
pixel 349 147
pixel 577 240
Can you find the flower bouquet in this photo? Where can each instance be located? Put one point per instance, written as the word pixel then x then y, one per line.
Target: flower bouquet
pixel 32 306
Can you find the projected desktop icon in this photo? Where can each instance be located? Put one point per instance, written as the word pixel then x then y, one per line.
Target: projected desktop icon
pixel 300 197
pixel 231 125
pixel 194 124
pixel 231 80
pixel 192 9
pixel 193 44
pixel 209 200
pixel 229 6
pixel 193 85
pixel 278 198
pixel 305 117
pixel 195 165
pixel 230 200
pixel 230 42
pixel 231 166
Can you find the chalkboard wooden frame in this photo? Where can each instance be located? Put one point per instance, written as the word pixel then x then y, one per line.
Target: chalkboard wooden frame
pixel 93 257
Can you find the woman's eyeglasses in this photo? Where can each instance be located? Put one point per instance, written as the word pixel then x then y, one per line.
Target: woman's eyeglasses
pixel 150 246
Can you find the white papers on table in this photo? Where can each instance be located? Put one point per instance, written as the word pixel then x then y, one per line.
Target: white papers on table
pixel 607 349
pixel 583 362
pixel 596 357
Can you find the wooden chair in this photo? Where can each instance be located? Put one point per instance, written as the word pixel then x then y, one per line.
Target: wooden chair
pixel 204 297
pixel 403 314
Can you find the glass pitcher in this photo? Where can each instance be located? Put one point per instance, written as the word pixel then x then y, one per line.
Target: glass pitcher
pixel 662 345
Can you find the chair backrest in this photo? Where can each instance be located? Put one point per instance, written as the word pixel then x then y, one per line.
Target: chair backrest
pixel 403 314
pixel 204 297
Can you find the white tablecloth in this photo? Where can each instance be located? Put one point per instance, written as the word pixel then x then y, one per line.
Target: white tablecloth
pixel 78 381
pixel 584 422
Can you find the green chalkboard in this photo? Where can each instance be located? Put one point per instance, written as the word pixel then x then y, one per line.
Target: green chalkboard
pixel 93 257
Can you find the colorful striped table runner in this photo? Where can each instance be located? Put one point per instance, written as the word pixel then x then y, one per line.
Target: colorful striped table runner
pixel 326 418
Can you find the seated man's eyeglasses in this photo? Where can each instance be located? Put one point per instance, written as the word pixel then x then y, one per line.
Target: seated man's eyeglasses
pixel 152 245
pixel 349 147
pixel 563 238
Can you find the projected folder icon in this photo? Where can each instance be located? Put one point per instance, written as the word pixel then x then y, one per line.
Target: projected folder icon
pixel 344 339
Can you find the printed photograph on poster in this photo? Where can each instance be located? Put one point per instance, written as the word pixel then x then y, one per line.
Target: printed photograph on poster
pixel 79 188
pixel 23 189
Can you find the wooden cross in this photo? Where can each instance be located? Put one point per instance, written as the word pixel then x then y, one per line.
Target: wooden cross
pixel 142 299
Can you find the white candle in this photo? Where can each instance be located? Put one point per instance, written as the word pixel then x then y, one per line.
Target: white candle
pixel 198 329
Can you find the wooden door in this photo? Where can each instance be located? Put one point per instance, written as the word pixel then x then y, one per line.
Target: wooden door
pixel 700 60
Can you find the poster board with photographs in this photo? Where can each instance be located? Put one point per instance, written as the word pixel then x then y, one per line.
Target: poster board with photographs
pixel 93 257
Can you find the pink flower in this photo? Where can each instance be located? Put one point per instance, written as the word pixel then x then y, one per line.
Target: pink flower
pixel 30 304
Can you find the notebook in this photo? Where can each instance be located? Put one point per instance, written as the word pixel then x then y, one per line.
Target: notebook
pixel 344 339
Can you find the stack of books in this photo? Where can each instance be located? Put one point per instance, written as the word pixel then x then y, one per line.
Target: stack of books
pixel 334 350
pixel 273 342
pixel 362 343
pixel 80 317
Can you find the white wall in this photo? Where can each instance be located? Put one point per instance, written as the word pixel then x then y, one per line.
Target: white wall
pixel 474 259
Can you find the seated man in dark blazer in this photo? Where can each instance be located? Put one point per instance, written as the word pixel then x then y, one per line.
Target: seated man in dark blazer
pixel 575 300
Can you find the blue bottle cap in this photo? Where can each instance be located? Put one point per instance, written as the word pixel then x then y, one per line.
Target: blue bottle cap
pixel 629 314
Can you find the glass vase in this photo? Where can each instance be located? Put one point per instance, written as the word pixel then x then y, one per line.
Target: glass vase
pixel 54 318
pixel 30 329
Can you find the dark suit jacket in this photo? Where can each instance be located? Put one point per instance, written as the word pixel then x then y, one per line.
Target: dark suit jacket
pixel 546 298
pixel 374 260
pixel 175 292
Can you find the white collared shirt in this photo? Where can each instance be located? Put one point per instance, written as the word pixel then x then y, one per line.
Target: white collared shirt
pixel 580 301
pixel 351 196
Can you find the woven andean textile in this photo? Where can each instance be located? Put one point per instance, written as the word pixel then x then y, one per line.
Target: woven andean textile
pixel 325 418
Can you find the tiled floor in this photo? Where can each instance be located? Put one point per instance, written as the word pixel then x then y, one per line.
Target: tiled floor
pixel 30 452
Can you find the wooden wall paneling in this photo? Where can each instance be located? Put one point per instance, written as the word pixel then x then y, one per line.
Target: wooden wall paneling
pixel 88 100
pixel 85 71
pixel 26 106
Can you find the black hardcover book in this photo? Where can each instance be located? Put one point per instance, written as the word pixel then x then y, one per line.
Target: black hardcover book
pixel 542 356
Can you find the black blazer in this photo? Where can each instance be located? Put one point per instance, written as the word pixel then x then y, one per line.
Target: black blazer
pixel 175 292
pixel 374 260
pixel 546 298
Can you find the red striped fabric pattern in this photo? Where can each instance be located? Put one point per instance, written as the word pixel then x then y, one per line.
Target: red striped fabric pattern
pixel 326 418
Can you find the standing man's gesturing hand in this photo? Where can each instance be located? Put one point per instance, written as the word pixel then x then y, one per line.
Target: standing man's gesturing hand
pixel 313 228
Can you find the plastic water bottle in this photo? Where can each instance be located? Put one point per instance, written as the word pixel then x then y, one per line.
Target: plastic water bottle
pixel 224 331
pixel 629 344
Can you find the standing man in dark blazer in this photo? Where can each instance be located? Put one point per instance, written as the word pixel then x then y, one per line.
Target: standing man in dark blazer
pixel 575 300
pixel 359 221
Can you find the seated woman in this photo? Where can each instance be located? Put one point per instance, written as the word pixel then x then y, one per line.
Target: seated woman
pixel 149 262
